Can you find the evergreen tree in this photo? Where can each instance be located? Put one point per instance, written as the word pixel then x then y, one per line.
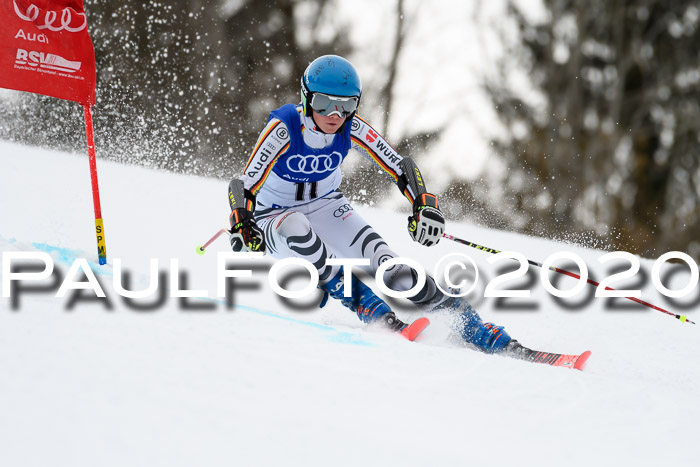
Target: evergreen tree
pixel 614 148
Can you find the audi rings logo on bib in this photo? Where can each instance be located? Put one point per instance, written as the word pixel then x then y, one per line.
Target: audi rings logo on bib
pixel 314 164
pixel 70 20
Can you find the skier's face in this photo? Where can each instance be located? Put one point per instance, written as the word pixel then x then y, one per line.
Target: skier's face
pixel 328 124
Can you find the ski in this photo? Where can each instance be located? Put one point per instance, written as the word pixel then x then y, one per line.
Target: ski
pixel 575 362
pixel 412 331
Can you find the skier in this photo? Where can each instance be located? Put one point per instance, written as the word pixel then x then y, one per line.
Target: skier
pixel 287 201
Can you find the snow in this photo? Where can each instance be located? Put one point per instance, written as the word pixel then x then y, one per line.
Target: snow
pixel 267 383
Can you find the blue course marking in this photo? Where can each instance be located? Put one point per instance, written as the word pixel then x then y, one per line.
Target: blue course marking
pixel 68 256
pixel 339 337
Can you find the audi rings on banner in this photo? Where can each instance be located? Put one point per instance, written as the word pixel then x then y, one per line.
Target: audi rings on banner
pixel 65 23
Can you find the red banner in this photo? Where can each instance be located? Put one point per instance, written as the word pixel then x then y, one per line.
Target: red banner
pixel 45 48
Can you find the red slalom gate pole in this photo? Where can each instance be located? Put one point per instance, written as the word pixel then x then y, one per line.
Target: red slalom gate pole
pixel 99 226
pixel 682 318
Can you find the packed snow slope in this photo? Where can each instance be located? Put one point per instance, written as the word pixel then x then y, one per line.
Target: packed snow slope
pixel 86 381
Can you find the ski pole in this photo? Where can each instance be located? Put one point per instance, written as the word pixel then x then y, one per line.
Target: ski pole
pixel 682 318
pixel 202 248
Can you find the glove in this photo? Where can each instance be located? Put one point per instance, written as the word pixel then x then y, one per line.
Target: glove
pixel 245 235
pixel 427 223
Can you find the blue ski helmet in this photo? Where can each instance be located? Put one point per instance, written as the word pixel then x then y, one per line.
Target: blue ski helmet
pixel 332 75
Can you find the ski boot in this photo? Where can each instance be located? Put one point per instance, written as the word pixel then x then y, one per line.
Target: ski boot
pixel 486 337
pixel 368 307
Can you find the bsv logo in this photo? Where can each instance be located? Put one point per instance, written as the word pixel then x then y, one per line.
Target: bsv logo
pixel 46 61
pixel 68 22
pixel 314 164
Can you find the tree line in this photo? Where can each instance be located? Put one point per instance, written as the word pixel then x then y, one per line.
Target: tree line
pixel 605 153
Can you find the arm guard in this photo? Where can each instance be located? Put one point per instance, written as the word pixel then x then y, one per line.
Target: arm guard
pixel 427 224
pixel 245 235
pixel 239 197
pixel 410 181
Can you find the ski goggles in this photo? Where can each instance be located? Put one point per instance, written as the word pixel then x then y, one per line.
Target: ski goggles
pixel 328 105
